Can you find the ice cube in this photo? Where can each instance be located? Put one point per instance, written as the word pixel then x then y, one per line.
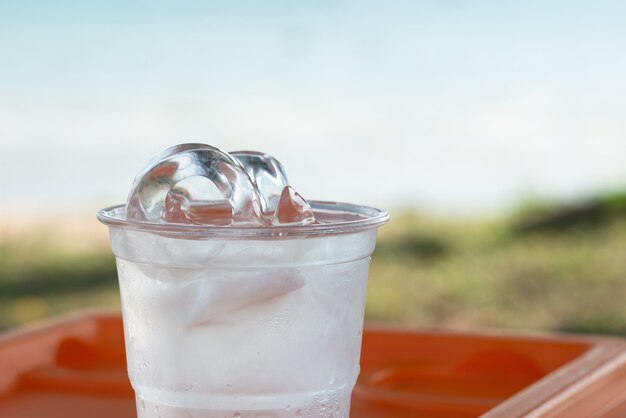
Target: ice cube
pixel 200 184
pixel 293 209
pixel 149 193
pixel 267 173
pixel 216 295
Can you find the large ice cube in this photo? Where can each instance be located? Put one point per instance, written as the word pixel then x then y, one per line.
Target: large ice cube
pixel 146 200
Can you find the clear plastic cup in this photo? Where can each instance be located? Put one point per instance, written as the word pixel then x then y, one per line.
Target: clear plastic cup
pixel 244 321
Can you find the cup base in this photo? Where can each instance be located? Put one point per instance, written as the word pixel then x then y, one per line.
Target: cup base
pixel 337 407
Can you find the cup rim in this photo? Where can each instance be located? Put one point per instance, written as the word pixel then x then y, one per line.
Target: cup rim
pixel 356 218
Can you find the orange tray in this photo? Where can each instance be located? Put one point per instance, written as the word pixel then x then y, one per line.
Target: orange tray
pixel 75 367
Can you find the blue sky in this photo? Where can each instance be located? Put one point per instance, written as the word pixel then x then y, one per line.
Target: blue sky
pixel 451 106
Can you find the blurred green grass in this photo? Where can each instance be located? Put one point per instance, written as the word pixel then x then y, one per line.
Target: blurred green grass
pixel 545 267
pixel 40 277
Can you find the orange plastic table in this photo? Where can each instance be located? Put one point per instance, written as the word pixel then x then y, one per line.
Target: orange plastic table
pixel 75 367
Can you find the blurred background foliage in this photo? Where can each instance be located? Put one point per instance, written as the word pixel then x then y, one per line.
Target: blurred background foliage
pixel 545 266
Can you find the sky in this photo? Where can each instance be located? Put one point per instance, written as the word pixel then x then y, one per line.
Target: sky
pixel 456 107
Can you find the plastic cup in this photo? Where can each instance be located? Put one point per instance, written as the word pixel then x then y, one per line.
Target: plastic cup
pixel 241 321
